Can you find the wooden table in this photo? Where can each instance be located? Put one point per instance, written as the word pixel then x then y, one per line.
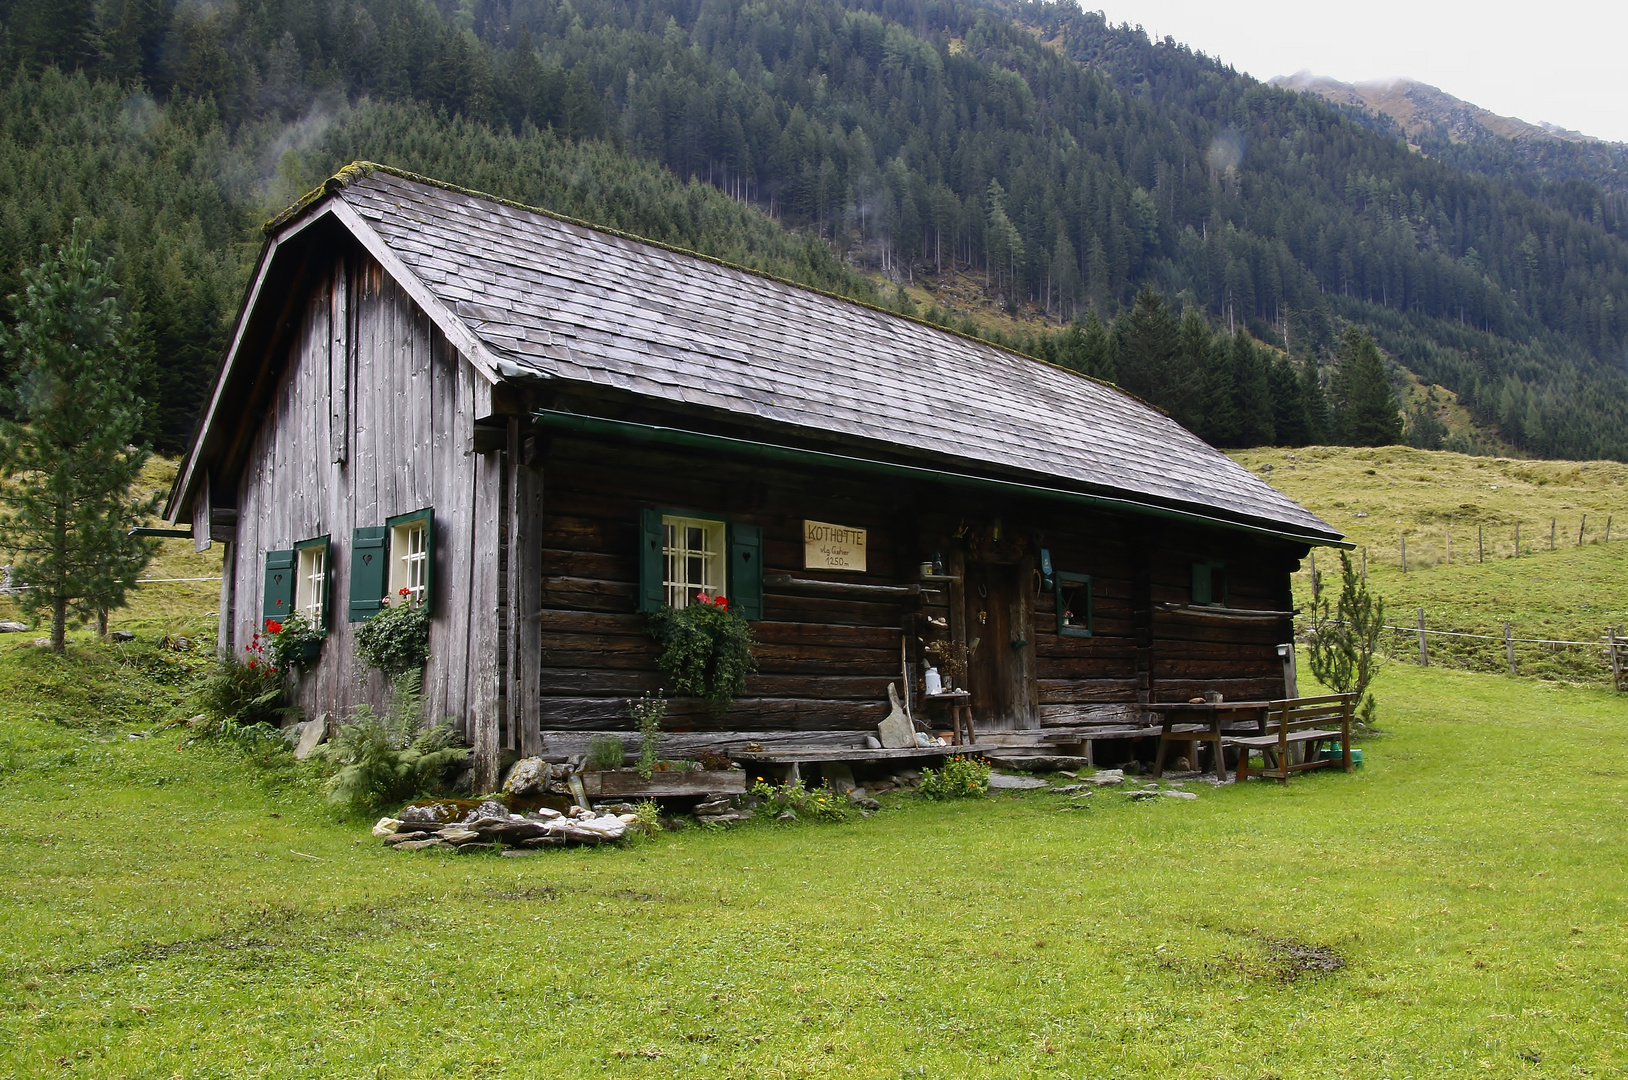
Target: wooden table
pixel 959 703
pixel 1206 722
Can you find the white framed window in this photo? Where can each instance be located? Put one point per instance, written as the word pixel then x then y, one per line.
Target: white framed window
pixel 311 580
pixel 692 551
pixel 410 559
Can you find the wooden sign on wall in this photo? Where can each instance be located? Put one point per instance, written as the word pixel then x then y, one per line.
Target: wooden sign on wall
pixel 833 547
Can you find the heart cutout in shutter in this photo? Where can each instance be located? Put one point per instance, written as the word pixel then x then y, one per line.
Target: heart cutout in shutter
pixel 278 578
pixel 367 560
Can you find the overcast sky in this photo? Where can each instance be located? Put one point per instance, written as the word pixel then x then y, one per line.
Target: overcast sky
pixel 1557 60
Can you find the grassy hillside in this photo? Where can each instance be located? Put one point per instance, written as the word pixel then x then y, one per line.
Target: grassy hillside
pixel 173 603
pixel 173 910
pixel 1378 496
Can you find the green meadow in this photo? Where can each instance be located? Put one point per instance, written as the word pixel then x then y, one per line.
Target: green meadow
pixel 179 907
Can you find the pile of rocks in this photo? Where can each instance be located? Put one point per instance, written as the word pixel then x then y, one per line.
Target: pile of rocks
pixel 491 827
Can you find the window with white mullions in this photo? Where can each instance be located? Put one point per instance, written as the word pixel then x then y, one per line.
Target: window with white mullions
pixel 410 567
pixel 311 582
pixel 692 558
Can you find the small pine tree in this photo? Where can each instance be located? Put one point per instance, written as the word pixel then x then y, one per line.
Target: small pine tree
pixel 1365 410
pixel 66 508
pixel 1319 417
pixel 1344 647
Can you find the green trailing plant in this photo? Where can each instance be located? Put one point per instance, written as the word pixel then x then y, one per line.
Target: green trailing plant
pixel 385 759
pixel 605 752
pixel 960 778
pixel 1344 646
pixel 292 643
pixel 706 647
pixel 396 640
pixel 648 712
pixel 246 691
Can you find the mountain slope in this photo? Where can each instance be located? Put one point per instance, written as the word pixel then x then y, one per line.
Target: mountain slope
pixel 1065 162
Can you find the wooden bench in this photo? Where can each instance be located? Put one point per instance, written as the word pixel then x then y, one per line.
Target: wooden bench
pixel 1307 722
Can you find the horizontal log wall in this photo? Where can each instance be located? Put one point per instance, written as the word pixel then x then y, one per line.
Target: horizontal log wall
pixel 825 661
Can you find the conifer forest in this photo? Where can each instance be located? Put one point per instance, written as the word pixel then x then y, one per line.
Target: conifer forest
pixel 1255 261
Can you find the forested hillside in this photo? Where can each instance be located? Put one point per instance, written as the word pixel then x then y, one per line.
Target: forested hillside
pixel 1066 163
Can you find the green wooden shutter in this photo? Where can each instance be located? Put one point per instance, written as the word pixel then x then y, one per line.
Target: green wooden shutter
pixel 1201 583
pixel 746 569
pixel 652 590
pixel 429 560
pixel 369 565
pixel 279 596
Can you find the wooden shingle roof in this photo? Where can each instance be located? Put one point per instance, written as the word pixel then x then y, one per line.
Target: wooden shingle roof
pixel 555 299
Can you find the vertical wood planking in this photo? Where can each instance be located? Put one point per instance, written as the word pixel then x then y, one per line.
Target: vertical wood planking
pixel 483 620
pixel 526 587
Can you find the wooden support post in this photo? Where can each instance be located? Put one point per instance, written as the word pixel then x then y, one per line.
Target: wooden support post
pixel 1580 525
pixel 1424 650
pixel 1404 553
pixel 1509 648
pixel 1480 544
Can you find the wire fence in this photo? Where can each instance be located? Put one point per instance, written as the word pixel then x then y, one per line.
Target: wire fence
pixel 1602 660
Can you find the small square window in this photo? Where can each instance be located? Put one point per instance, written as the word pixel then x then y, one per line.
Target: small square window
pixel 1210 583
pixel 692 552
pixel 1073 604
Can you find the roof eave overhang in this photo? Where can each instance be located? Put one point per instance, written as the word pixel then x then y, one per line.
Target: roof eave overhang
pixel 1038 487
pixel 492 368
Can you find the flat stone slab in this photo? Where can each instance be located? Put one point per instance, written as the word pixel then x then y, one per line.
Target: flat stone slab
pixel 1038 762
pixel 1006 782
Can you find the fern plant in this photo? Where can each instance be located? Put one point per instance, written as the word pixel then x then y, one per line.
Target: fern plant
pixel 384 759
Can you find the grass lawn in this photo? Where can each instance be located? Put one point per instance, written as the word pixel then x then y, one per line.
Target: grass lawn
pixel 173 910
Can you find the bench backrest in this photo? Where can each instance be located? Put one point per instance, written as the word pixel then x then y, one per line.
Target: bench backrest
pixel 1298 714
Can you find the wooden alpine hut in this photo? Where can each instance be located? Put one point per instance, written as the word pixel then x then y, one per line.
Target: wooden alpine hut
pixel 545 430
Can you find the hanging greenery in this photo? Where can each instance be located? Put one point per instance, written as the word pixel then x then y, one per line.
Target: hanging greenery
pixel 706 648
pixel 397 639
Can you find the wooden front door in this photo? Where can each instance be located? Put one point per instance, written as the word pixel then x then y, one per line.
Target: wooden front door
pixel 995 631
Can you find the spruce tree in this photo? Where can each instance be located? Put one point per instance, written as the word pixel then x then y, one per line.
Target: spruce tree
pixel 1365 410
pixel 1145 348
pixel 1214 418
pixel 1291 421
pixel 1252 393
pixel 1321 419
pixel 66 505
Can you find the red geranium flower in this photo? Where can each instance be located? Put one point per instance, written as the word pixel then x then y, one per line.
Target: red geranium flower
pixel 273 626
pixel 404 591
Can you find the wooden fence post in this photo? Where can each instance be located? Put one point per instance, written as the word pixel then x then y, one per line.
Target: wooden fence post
pixel 1611 649
pixel 1449 547
pixel 1314 589
pixel 1365 564
pixel 1552 522
pixel 1509 648
pixel 1517 539
pixel 1404 553
pixel 1424 651
pixel 1580 525
pixel 1480 546
pixel 1608 528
